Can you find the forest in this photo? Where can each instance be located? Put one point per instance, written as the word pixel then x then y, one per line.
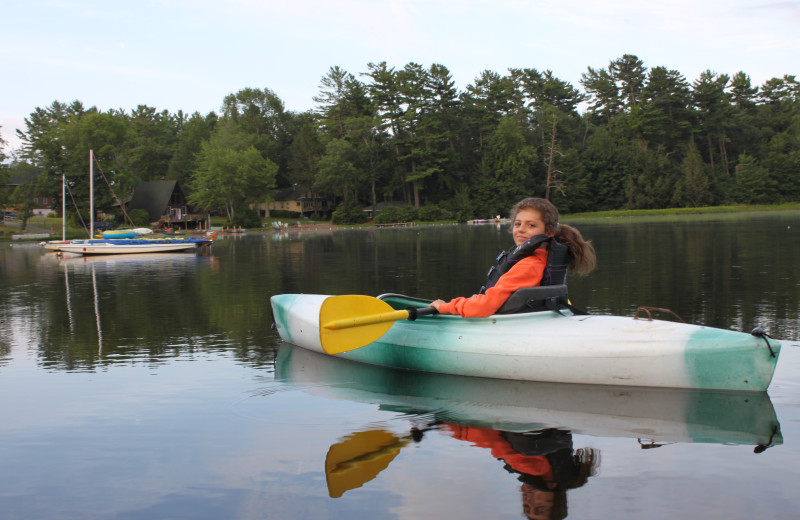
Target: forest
pixel 628 137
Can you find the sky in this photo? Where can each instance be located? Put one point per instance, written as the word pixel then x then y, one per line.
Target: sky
pixel 189 54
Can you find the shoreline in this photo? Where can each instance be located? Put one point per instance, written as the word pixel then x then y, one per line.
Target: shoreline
pixel 701 213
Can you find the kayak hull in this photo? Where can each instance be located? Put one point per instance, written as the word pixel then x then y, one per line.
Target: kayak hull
pixel 551 347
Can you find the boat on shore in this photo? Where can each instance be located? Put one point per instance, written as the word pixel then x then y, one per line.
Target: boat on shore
pixel 548 346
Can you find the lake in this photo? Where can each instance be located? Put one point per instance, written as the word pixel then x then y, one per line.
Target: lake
pixel 154 387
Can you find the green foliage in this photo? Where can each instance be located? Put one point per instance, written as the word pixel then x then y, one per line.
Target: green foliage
pixel 408 134
pixel 692 190
pixel 396 214
pixel 246 218
pixel 338 174
pixel 753 184
pixel 432 212
pixel 231 172
pixel 139 217
pixel 461 206
pixel 650 177
pixel 349 212
pixel 284 213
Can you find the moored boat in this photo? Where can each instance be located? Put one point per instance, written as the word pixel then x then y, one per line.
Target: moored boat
pixel 133 246
pixel 549 346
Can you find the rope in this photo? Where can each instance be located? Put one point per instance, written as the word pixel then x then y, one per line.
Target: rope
pixel 761 333
pixel 121 206
pixel 77 211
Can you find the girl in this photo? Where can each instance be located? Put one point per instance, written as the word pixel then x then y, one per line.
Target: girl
pixel 531 217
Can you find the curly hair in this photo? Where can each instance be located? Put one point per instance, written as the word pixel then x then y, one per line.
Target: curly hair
pixel 582 256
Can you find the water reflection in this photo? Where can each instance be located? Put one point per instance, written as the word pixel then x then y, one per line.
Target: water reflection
pixel 527 426
pixel 648 415
pixel 113 307
pixel 544 461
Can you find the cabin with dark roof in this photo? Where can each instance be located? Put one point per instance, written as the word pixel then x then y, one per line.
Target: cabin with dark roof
pixel 166 204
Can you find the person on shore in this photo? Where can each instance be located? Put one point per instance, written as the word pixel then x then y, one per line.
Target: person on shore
pixel 536 231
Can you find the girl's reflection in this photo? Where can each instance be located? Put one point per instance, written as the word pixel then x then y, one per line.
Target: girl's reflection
pixel 544 460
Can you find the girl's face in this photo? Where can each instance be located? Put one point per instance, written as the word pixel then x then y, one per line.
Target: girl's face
pixel 528 223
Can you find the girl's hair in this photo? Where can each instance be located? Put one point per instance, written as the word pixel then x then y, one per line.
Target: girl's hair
pixel 581 252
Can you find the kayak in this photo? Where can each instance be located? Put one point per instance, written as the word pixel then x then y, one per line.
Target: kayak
pixel 548 346
pixel 660 415
pixel 119 233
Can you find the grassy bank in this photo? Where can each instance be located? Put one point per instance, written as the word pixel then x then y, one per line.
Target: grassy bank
pixel 626 213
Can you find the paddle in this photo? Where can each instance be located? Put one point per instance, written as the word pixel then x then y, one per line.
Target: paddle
pixel 359 458
pixel 351 321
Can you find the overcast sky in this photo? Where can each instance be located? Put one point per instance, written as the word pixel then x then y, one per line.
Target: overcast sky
pixel 189 54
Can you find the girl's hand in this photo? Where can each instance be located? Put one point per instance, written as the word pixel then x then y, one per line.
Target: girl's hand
pixel 435 304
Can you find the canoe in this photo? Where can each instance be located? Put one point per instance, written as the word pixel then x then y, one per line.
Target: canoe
pixel 657 415
pixel 551 347
pixel 119 233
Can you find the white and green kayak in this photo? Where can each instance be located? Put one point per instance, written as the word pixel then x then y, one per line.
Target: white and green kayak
pixel 543 346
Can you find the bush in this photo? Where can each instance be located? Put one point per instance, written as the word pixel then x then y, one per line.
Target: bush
pixel 349 213
pixel 461 206
pixel 284 213
pixel 246 218
pixel 431 212
pixel 396 214
pixel 139 217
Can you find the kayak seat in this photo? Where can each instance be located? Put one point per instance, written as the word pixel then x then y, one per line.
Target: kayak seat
pixel 536 299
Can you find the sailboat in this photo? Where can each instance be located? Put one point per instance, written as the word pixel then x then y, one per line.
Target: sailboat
pixel 118 245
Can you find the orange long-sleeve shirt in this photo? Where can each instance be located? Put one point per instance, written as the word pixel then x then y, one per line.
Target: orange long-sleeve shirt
pixel 527 272
pixel 536 465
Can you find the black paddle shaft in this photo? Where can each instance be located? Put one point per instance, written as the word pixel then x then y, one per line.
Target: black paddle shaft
pixel 415 312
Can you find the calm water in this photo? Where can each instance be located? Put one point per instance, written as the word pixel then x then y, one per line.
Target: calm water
pixel 154 387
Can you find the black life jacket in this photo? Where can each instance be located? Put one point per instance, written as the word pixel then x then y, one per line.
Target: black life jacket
pixel 555 272
pixel 550 293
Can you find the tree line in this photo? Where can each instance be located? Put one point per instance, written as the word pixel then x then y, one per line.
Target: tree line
pixel 629 137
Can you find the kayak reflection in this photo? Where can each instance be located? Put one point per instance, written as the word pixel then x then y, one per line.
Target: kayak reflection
pixel 544 461
pixel 651 416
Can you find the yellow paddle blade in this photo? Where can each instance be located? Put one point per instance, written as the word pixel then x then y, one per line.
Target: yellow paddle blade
pixel 351 321
pixel 359 458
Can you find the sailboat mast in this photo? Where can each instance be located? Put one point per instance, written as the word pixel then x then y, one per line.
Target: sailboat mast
pixel 91 194
pixel 63 207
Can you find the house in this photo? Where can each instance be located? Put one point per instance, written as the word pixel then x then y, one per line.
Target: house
pixel 166 204
pixel 40 205
pixel 297 202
